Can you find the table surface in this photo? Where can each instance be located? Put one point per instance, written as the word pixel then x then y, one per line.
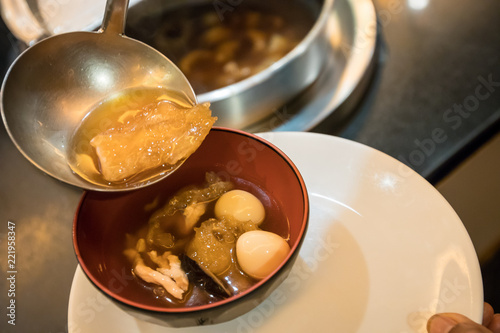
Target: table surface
pixel 433 98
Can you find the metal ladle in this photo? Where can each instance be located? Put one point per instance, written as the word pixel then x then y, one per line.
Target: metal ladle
pixel 51 87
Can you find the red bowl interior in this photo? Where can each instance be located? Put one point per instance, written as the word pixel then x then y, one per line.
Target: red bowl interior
pixel 103 219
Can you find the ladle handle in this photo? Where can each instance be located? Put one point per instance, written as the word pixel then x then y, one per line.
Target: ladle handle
pixel 114 17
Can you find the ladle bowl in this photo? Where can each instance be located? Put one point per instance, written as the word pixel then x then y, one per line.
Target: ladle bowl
pixel 52 86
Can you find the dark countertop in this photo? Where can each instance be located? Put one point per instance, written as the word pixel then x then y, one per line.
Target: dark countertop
pixel 430 77
pixel 428 105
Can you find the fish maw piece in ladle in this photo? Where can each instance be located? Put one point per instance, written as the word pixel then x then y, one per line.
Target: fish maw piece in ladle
pixel 159 136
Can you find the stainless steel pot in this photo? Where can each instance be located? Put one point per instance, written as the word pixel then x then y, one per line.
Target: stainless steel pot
pixel 246 102
pixel 238 105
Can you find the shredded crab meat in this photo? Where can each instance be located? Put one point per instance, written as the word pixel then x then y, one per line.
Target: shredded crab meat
pixel 170 265
pixel 168 274
pixel 149 275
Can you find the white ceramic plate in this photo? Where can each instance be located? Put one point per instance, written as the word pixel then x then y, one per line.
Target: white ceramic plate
pixel 383 252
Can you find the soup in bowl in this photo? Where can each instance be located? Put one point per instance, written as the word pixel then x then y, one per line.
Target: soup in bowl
pixel 203 246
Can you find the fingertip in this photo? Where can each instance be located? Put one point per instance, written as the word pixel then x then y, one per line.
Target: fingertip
pixel 487 314
pixel 494 325
pixel 440 323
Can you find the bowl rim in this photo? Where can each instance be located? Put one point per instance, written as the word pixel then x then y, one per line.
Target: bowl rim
pixel 167 310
